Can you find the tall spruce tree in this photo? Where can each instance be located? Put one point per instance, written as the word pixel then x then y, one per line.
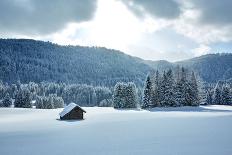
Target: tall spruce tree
pixel 194 93
pixel 181 88
pixel 147 93
pixel 155 96
pixel 167 87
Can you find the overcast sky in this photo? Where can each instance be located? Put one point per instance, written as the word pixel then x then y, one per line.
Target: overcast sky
pixel 151 29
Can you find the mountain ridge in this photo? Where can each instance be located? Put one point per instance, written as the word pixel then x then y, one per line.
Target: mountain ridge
pixel 32 60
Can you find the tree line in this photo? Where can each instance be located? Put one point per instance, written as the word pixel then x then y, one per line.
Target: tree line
pixel 220 94
pixel 47 95
pixel 170 88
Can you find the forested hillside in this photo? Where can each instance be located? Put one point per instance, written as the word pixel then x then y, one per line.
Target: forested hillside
pixel 211 67
pixel 29 60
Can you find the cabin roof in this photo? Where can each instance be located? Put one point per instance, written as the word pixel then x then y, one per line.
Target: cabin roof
pixel 70 107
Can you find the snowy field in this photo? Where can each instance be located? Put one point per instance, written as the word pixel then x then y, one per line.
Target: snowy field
pixel 171 131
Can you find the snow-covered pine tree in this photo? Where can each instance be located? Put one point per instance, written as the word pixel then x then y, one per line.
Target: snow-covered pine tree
pixel 217 95
pixel 23 98
pixel 194 93
pixel 7 101
pixel 26 98
pixel 39 103
pixel 225 95
pixel 181 88
pixel 48 102
pixel 131 96
pixel 117 95
pixel 167 87
pixel 57 101
pixel 209 97
pixel 147 93
pixel 163 89
pixel 155 95
pixel 19 99
pixel 178 90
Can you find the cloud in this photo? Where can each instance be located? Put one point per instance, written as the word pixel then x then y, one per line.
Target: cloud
pixel 203 21
pixel 201 50
pixel 214 12
pixel 167 9
pixel 42 16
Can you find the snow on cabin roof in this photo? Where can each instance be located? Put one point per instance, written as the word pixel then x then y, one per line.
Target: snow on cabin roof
pixel 68 108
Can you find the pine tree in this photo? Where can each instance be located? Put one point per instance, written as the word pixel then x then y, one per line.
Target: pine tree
pixel 179 93
pixel 194 93
pixel 131 96
pixel 155 96
pixel 209 97
pixel 217 95
pixel 167 87
pixel 117 96
pixel 147 93
pixel 182 89
pixel 19 99
pixel 39 103
pixel 27 99
pixel 7 101
pixel 225 96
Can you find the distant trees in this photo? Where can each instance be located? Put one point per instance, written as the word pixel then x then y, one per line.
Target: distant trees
pixel 125 95
pixel 221 94
pixel 169 91
pixel 106 103
pixel 49 102
pixel 47 95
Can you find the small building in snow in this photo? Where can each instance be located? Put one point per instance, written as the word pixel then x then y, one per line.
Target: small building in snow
pixel 72 111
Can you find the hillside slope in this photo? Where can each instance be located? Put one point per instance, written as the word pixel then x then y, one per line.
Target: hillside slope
pixel 211 67
pixel 29 60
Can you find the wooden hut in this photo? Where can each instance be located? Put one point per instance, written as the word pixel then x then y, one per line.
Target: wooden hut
pixel 72 111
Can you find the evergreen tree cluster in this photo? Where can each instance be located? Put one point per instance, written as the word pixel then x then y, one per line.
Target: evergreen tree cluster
pixel 220 94
pixel 125 95
pixel 171 89
pixel 23 98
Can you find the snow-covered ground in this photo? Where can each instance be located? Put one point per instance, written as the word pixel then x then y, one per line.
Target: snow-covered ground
pixel 160 131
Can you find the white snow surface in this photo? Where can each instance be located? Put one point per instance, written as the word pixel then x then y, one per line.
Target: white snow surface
pixel 204 130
